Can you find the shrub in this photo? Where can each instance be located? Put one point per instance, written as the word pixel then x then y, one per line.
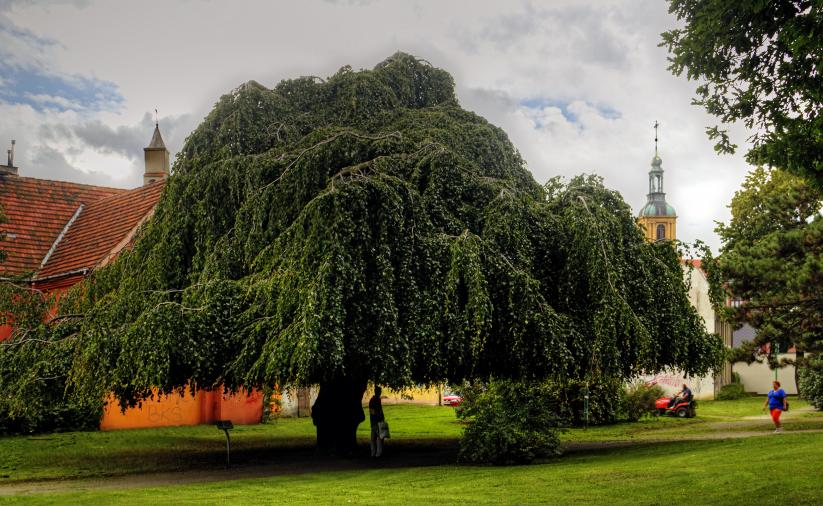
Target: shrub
pixel 638 400
pixel 508 423
pixel 56 413
pixel 731 392
pixel 604 401
pixel 736 377
pixel 272 403
pixel 810 378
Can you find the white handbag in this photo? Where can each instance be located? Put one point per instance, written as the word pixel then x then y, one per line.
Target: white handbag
pixel 383 430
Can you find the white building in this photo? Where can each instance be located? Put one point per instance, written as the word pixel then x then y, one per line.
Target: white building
pixel 757 377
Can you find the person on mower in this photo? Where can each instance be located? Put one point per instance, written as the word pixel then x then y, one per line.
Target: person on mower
pixel 684 395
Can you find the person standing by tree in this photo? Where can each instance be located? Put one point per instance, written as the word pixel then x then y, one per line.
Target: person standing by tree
pixel 777 404
pixel 376 418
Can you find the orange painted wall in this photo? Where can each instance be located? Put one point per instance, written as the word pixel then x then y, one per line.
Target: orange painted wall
pixel 164 411
pixel 202 407
pixel 241 408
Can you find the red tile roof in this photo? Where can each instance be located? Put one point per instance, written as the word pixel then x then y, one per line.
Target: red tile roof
pixel 694 262
pixel 37 211
pixel 102 229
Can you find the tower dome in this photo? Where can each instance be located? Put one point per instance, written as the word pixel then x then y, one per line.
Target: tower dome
pixel 657 216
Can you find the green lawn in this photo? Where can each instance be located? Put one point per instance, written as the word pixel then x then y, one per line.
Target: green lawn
pixel 743 415
pixel 90 454
pixel 721 470
pixel 780 469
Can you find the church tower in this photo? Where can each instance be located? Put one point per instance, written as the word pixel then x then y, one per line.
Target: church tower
pixel 657 218
pixel 156 157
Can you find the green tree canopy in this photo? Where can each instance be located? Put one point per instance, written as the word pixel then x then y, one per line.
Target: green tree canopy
pixel 367 228
pixel 758 61
pixel 771 262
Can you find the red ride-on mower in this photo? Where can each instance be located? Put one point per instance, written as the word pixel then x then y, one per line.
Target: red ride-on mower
pixel 681 409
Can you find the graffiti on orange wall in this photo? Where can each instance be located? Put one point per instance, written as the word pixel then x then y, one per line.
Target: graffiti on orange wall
pixel 166 413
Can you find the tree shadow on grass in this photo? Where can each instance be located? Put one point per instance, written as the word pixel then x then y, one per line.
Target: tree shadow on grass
pixel 260 457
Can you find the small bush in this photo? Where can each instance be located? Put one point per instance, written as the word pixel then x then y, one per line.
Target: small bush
pixel 736 378
pixel 638 400
pixel 731 392
pixel 508 423
pixel 604 401
pixel 811 382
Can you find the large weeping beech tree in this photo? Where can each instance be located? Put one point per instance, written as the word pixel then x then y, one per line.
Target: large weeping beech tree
pixel 366 228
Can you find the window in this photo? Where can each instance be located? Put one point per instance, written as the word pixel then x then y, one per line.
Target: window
pixel 661 232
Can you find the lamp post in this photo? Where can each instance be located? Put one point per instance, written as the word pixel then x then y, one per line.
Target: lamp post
pixel 776 358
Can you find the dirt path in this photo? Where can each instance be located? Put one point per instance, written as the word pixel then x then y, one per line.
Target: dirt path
pixel 307 463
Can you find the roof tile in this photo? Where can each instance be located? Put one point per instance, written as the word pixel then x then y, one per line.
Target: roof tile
pixel 100 228
pixel 37 210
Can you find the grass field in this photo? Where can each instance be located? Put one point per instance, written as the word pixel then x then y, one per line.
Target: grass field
pixel 744 471
pixel 721 469
pixel 89 454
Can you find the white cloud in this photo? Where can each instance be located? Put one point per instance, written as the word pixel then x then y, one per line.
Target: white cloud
pixel 52 100
pixel 577 85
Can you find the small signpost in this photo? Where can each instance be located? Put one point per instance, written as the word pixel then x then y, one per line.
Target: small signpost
pixel 226 426
pixel 776 358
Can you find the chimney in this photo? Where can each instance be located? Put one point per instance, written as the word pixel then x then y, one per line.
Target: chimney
pixel 157 158
pixel 10 169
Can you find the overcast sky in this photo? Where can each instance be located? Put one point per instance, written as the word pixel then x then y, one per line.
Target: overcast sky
pixel 576 84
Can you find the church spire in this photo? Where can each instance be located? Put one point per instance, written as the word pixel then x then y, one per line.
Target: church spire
pixel 156 156
pixel 657 216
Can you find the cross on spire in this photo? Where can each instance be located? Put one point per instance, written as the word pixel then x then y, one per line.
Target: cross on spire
pixel 157 122
pixel 656 124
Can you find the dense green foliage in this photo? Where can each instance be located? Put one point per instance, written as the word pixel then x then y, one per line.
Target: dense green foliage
pixel 367 227
pixel 44 405
pixel 508 422
pixel 757 62
pixel 603 406
pixel 811 382
pixel 638 400
pixel 731 392
pixel 771 263
pixel 33 368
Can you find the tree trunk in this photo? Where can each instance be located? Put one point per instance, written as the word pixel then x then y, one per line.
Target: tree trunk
pixel 336 413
